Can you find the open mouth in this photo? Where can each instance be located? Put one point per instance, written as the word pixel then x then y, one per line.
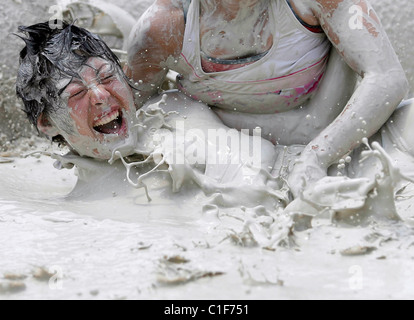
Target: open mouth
pixel 112 123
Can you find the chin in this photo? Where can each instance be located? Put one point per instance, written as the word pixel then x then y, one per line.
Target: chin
pixel 93 148
pixel 105 150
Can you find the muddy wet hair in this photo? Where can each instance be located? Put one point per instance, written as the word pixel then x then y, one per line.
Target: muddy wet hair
pixel 50 55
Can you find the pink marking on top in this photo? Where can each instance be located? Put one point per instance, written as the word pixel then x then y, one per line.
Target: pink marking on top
pixel 253 81
pixel 209 66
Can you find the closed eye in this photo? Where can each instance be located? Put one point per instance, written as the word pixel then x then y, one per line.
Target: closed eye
pixel 77 94
pixel 107 79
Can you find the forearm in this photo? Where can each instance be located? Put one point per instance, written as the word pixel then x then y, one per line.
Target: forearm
pixel 155 39
pixel 368 109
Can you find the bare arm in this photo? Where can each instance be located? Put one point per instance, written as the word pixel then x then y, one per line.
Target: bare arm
pixel 367 50
pixel 156 38
pixel 354 29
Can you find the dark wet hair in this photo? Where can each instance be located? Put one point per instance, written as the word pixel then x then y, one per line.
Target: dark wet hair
pixel 52 54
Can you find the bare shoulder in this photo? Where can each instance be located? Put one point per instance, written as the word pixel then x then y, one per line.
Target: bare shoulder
pixel 331 6
pixel 160 16
pixel 159 30
pixel 353 15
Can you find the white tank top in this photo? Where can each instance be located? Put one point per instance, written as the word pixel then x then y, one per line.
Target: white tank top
pixel 283 79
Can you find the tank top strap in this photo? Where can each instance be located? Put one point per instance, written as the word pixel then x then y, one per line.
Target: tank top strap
pixel 190 48
pixel 186 5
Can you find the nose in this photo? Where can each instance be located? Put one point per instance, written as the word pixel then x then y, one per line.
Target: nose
pixel 99 96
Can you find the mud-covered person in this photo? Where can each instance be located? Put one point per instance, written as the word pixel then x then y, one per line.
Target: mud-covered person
pixel 74 90
pixel 287 66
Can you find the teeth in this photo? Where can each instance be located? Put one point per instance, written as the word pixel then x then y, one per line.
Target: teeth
pixel 107 119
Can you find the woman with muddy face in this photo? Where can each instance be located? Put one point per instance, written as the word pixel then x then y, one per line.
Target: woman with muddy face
pixel 73 87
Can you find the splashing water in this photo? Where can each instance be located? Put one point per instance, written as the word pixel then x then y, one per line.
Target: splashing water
pixel 236 233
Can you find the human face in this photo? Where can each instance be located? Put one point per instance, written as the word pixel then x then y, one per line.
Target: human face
pixel 100 110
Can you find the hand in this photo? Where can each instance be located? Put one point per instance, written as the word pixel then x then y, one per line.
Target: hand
pixel 306 171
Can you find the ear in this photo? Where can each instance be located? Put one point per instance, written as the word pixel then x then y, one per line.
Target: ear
pixel 44 125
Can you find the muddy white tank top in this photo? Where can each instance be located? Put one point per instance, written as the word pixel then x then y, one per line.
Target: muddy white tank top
pixel 284 78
